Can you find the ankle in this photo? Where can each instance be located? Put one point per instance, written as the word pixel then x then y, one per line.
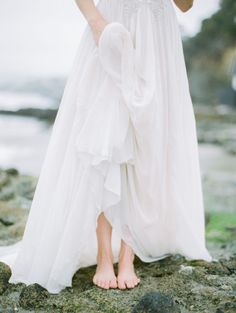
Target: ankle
pixel 126 254
pixel 105 256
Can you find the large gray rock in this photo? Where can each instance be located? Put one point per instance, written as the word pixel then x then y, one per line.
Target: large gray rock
pixel 5 274
pixel 33 296
pixel 156 302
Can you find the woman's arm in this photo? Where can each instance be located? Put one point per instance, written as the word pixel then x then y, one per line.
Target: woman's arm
pixel 184 5
pixel 93 17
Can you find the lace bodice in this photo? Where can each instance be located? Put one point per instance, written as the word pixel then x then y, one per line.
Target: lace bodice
pixel 156 6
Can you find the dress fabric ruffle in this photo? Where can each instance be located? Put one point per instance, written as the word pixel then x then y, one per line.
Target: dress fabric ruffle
pixel 124 142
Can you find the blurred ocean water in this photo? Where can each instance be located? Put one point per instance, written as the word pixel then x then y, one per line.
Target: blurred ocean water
pixel 13 101
pixel 23 136
pixel 31 91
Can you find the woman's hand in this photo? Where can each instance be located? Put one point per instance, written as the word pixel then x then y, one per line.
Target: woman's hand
pixel 184 5
pixel 93 17
pixel 97 26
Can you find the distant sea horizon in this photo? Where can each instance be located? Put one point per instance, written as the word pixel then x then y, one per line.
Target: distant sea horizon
pixel 23 139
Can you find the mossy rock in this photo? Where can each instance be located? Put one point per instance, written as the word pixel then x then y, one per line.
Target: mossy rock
pixel 5 273
pixel 33 296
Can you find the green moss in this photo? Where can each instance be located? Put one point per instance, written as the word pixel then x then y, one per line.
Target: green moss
pixel 221 227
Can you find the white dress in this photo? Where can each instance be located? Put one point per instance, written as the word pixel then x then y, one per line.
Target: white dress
pixel 123 142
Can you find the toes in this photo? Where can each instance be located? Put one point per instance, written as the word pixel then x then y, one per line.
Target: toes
pixel 103 283
pixel 129 284
pixel 94 280
pixel 113 283
pixel 136 281
pixel 121 284
pixel 106 284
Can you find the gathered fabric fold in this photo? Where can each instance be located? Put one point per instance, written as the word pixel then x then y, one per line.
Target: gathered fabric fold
pixel 109 137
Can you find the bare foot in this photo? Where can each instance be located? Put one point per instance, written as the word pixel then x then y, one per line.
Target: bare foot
pixel 105 276
pixel 126 274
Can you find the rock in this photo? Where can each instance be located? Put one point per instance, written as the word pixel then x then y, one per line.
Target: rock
pixel 33 296
pixel 25 187
pixel 7 194
pixel 214 267
pixel 18 190
pixel 10 215
pixel 6 221
pixel 12 171
pixel 186 270
pixel 221 282
pixel 231 147
pixel 226 287
pixel 168 285
pixel 156 302
pixel 230 307
pixel 5 273
pixel 4 179
pixel 44 114
pixel 12 223
pixel 230 264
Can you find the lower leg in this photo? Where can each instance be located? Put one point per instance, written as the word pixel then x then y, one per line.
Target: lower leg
pixel 126 274
pixel 105 275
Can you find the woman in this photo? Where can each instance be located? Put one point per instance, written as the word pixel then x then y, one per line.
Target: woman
pixel 121 175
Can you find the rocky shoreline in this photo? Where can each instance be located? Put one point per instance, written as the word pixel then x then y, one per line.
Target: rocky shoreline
pixel 216 125
pixel 47 115
pixel 171 285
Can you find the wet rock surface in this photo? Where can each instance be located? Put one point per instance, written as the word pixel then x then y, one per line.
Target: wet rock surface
pixel 172 284
pixel 16 194
pixel 33 296
pixel 5 274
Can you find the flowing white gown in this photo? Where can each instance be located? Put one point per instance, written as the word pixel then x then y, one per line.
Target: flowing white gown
pixel 123 142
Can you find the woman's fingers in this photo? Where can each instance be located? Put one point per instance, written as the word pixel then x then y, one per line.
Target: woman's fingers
pixel 97 26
